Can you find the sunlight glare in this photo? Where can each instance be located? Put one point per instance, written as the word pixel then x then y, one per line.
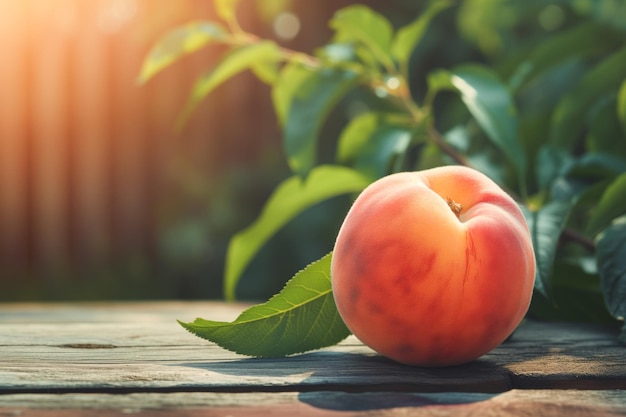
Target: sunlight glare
pixel 113 15
pixel 286 25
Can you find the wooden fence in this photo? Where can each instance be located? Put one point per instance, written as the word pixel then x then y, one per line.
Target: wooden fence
pixel 87 156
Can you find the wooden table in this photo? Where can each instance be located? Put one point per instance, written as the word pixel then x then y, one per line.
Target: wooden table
pixel 134 359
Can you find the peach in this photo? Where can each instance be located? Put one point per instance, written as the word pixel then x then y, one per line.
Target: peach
pixel 433 268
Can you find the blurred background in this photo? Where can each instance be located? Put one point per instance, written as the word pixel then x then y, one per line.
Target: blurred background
pixel 100 196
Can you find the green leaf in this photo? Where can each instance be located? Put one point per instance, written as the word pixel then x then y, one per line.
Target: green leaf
pixel 584 180
pixel 227 10
pixel 238 60
pixel 359 23
pixel 346 56
pixel 583 40
pixel 597 166
pixel 611 255
pixel 409 36
pixel 266 71
pixel 621 106
pixel 372 143
pixel 477 151
pixel 577 296
pixel 550 164
pixel 605 128
pixel 289 199
pixel 546 225
pixel 568 119
pixel 302 317
pixel 355 136
pixel 608 12
pixel 312 99
pixel 437 81
pixel 490 102
pixel 290 78
pixel 179 42
pixel 611 205
pixel 337 53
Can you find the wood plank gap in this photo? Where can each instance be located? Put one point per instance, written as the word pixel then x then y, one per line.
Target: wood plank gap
pixel 567 382
pixel 247 389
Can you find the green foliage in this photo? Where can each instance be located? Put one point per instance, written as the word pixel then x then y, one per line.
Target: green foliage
pixel 621 106
pixel 239 59
pixel 178 43
pixel 289 199
pixel 315 94
pixel 301 317
pixel 490 102
pixel 569 116
pixel 583 41
pixel 540 107
pixel 546 225
pixel 612 261
pixel 227 10
pixel 375 144
pixel 610 206
pixel 579 297
pixel 408 36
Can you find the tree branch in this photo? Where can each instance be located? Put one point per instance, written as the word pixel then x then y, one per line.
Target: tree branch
pixel 440 142
pixel 574 236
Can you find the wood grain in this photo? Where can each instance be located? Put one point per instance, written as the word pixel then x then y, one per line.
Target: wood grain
pixel 512 403
pixel 70 356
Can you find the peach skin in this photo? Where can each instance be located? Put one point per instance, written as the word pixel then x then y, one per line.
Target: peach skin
pixel 433 268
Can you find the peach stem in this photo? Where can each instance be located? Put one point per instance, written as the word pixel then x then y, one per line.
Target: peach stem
pixel 454 206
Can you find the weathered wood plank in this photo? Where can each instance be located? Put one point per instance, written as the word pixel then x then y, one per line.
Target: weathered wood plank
pixel 138 347
pixel 170 369
pixel 513 403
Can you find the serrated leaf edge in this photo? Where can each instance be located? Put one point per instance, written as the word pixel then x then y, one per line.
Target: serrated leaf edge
pixel 278 312
pixel 190 326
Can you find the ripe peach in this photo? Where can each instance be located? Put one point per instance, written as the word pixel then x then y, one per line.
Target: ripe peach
pixel 433 268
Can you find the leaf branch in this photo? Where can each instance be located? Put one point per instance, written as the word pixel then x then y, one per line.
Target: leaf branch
pixel 576 237
pixel 440 142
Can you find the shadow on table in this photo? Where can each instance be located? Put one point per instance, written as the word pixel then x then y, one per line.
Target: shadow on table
pixel 370 401
pixel 539 356
pixel 357 382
